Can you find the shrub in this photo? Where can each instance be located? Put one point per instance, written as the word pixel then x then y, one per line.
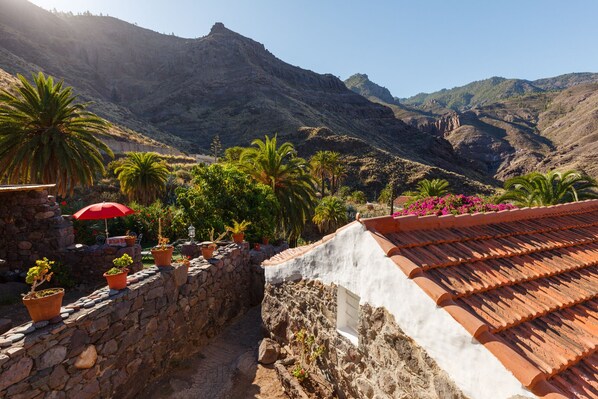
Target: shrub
pixel 358 197
pixel 222 193
pixel 451 205
pixel 145 220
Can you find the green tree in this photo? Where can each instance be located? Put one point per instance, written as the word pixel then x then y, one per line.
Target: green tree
pixel 142 176
pixel 280 168
pixel 537 189
pixel 327 165
pixel 330 214
pixel 386 194
pixel 222 193
pixel 233 154
pixel 47 138
pixel 432 188
pixel 358 197
pixel 216 147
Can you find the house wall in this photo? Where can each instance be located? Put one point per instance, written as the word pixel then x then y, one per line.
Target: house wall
pixel 386 363
pixel 163 316
pixel 353 260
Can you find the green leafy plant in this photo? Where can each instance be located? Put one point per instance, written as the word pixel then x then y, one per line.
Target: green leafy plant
pixel 120 264
pixel 237 227
pixel 309 352
pixel 213 242
pixel 330 214
pixel 37 275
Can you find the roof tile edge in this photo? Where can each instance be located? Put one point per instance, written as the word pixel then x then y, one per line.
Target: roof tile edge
pixel 388 224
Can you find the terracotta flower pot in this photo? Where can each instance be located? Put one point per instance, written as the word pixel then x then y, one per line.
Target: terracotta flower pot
pixel 265 240
pixel 239 237
pixel 207 252
pixel 117 281
pixel 256 246
pixel 45 308
pixel 130 241
pixel 163 257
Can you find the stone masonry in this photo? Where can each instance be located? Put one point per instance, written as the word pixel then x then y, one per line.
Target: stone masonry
pixel 31 226
pixel 111 343
pixel 385 364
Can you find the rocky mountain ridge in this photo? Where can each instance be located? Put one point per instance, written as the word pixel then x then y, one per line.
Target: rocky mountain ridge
pixel 554 125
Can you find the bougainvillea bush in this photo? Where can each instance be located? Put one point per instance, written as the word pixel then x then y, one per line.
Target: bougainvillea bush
pixel 451 205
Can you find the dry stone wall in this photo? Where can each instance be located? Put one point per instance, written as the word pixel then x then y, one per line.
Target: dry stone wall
pixel 31 226
pixel 385 364
pixel 112 343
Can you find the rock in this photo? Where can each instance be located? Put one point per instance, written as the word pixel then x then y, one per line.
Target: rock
pixel 64 316
pixel 4 342
pixel 15 373
pixel 268 351
pixel 24 245
pixel 40 324
pixel 180 276
pixel 56 319
pixel 89 304
pixel 15 337
pixel 87 358
pixel 24 329
pixel 67 310
pixel 113 292
pixel 51 357
pixel 11 291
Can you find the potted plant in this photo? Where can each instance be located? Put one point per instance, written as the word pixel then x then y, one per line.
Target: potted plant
pixel 130 238
pixel 238 230
pixel 265 240
pixel 208 247
pixel 45 304
pixel 162 252
pixel 117 276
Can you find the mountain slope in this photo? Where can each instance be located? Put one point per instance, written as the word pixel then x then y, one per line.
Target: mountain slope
pixel 495 89
pixel 546 128
pixel 185 91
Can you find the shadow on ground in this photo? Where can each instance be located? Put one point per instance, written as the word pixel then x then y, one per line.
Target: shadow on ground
pixel 226 368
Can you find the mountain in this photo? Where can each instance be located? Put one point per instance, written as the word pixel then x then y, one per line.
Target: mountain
pixel 183 92
pixel 495 89
pixel 515 126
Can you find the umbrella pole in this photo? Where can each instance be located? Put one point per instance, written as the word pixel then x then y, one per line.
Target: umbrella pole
pixel 106 223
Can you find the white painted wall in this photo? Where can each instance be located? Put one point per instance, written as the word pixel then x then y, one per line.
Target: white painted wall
pixel 354 260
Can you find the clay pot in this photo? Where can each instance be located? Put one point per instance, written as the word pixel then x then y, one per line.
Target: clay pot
pixel 163 257
pixel 130 241
pixel 265 240
pixel 238 237
pixel 45 308
pixel 256 246
pixel 117 281
pixel 207 251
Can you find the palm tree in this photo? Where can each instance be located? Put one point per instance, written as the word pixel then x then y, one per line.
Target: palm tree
pixel 327 165
pixel 432 188
pixel 338 171
pixel 537 189
pixel 46 138
pixel 142 176
pixel 330 214
pixel 288 175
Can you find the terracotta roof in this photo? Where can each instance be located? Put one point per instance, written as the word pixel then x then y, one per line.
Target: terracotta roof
pixel 296 252
pixel 523 282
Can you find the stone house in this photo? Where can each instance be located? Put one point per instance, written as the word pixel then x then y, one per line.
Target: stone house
pixel 495 305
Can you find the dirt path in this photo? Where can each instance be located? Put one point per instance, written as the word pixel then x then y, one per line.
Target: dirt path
pixel 226 369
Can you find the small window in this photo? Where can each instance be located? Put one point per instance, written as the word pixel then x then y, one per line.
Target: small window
pixel 347 317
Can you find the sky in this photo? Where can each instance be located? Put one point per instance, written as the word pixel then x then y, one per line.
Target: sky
pixel 408 46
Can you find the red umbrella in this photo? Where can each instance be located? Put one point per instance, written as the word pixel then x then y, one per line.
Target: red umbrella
pixel 104 210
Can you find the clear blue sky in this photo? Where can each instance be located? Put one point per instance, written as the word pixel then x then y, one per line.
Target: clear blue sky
pixel 409 46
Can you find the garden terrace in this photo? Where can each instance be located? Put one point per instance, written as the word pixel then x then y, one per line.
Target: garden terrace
pixel 110 343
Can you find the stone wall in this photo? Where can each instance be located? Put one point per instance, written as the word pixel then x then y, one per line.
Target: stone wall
pixel 385 364
pixel 31 227
pixel 88 263
pixel 112 343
